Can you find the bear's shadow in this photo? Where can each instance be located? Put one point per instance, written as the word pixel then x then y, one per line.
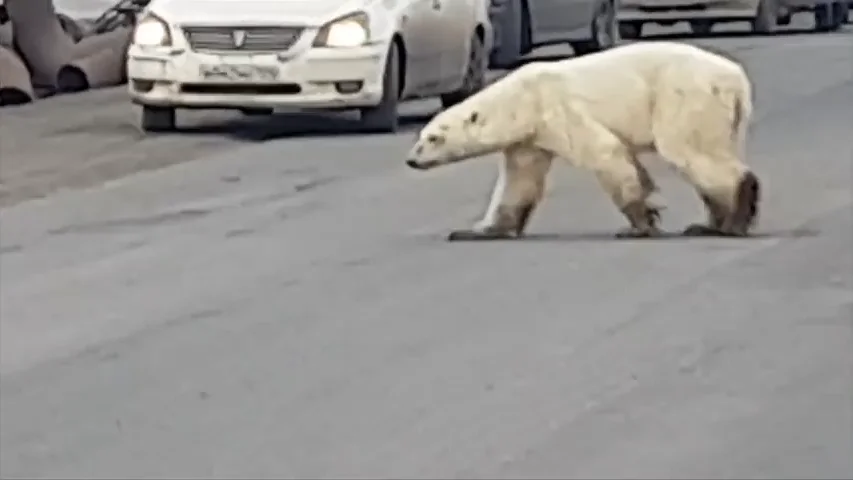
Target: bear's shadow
pixel 293 125
pixel 601 236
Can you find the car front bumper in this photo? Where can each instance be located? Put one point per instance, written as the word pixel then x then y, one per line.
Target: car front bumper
pixel 309 78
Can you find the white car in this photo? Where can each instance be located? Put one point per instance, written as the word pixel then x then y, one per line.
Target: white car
pixel 258 55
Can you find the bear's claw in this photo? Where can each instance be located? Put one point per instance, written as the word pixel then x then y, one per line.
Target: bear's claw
pixel 630 232
pixel 653 214
pixel 474 235
pixel 701 230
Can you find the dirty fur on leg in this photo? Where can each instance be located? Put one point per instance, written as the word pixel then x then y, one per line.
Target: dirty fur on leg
pixel 511 222
pixel 740 220
pixel 644 220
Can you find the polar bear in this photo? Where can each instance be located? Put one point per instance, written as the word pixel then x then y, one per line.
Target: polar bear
pixel 600 112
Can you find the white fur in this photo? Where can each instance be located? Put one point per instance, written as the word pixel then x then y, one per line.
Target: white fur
pixel 598 112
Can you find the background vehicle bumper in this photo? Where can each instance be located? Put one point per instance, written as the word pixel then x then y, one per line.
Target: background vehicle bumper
pixel 678 10
pixel 310 79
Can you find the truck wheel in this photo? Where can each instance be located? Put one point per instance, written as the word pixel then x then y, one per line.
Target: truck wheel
pixel 158 119
pixel 383 118
pixel 475 74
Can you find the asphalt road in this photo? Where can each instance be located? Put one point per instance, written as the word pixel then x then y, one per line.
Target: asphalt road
pixel 286 307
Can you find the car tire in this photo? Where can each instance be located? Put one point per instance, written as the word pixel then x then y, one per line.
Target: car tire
pixel 514 31
pixel 158 119
pixel 632 30
pixel 384 118
pixel 604 29
pixel 766 18
pixel 701 27
pixel 475 74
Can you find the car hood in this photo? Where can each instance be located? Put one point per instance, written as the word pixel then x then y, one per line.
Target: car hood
pixel 253 12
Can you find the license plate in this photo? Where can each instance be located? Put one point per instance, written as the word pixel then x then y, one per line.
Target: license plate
pixel 238 72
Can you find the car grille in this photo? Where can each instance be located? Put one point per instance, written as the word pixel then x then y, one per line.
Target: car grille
pixel 242 39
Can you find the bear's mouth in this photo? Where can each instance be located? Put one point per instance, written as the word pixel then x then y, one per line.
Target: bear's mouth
pixel 412 163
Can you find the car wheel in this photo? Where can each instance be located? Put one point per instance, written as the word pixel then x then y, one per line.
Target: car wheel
pixel 513 29
pixel 475 75
pixel 604 31
pixel 766 17
pixel 632 30
pixel 158 119
pixel 701 27
pixel 383 118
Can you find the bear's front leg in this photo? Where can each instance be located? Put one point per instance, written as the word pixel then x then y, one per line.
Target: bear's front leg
pixel 518 190
pixel 586 143
pixel 624 182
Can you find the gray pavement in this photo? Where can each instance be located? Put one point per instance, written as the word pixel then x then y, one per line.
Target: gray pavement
pixel 287 308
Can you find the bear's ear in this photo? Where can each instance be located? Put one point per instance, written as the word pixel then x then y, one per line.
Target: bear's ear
pixel 475 116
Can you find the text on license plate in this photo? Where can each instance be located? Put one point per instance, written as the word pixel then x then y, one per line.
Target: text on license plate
pixel 238 73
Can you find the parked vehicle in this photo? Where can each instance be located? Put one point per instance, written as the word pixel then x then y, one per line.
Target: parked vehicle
pixel 522 25
pixel 765 16
pixel 256 55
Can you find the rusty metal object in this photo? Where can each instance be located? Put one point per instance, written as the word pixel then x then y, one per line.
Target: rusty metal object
pixel 15 84
pixel 6 32
pixel 103 66
pixel 40 39
pixel 68 55
pixel 122 14
pixel 71 27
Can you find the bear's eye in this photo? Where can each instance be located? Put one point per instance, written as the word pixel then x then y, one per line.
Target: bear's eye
pixel 435 139
pixel 474 117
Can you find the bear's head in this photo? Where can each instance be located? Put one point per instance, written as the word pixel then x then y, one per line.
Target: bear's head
pixel 486 122
pixel 505 113
pixel 451 136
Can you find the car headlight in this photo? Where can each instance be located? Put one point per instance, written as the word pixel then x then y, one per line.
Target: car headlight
pixel 152 32
pixel 351 30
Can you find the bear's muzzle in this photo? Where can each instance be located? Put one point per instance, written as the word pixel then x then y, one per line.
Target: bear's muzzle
pixel 418 165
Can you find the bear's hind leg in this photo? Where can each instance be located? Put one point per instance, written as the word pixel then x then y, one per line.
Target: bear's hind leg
pixel 745 212
pixel 730 192
pixel 733 216
pixel 716 217
pixel 518 190
pixel 703 138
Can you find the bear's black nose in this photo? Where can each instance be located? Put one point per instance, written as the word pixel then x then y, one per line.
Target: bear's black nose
pixel 414 164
